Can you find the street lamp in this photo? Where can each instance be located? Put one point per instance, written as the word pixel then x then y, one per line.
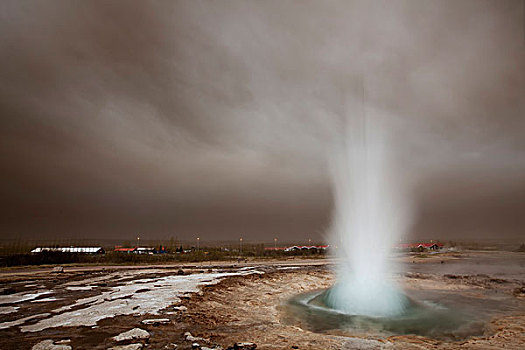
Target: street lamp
pixel 138 241
pixel 275 243
pixel 198 241
pixel 309 241
pixel 240 246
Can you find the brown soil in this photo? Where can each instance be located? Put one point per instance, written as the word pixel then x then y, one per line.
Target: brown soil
pixel 248 309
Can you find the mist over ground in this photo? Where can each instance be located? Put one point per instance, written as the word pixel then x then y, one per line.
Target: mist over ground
pixel 218 119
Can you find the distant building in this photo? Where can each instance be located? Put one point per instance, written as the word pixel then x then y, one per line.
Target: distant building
pixel 305 248
pixel 144 250
pixel 82 250
pixel 420 246
pixel 124 250
pixel 140 250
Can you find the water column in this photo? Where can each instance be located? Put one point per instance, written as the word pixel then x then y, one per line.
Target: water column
pixel 369 216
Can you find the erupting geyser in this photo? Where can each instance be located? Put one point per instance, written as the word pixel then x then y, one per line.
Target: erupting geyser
pixel 370 214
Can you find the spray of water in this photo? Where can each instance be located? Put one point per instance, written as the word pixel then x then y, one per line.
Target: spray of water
pixel 370 215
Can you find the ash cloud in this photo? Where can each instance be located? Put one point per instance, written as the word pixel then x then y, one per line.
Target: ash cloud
pixel 216 119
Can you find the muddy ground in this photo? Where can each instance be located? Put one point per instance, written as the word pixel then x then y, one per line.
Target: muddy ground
pixel 221 305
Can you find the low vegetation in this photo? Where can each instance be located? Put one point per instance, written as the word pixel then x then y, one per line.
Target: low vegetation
pixel 18 254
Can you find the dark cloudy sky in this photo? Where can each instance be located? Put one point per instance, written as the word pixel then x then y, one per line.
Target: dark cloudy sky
pixel 216 118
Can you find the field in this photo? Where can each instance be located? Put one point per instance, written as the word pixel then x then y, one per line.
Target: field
pixel 222 303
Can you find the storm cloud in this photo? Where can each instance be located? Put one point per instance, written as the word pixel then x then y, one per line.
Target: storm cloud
pixel 217 119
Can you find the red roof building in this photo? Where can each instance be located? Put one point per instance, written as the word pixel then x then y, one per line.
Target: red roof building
pixel 124 250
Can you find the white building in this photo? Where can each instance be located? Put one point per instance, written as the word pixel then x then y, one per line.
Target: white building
pixel 84 250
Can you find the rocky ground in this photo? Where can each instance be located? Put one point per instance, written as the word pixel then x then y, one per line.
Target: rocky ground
pixel 245 308
pixel 219 306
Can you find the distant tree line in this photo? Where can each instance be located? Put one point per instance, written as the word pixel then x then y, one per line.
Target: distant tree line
pixel 18 254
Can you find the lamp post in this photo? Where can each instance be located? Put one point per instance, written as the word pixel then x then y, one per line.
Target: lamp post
pixel 309 241
pixel 138 241
pixel 240 246
pixel 198 241
pixel 275 243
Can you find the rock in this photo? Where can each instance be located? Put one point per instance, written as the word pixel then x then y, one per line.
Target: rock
pixel 519 292
pixel 453 277
pixel 135 333
pixel 180 308
pixel 195 346
pixel 244 346
pixel 63 341
pixel 191 338
pixel 416 275
pixel 498 280
pixel 156 321
pixel 180 272
pixel 48 344
pixel 171 346
pixel 58 269
pixel 127 347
